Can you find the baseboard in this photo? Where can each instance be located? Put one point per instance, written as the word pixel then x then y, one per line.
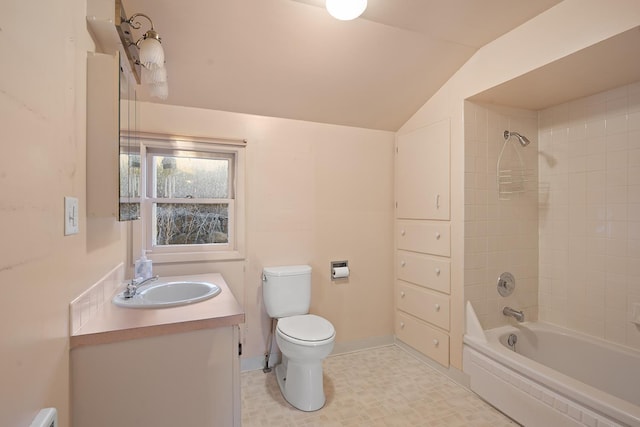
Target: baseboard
pixel 454 374
pixel 358 345
pixel 257 363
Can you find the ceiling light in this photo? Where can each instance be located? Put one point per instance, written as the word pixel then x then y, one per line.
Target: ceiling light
pixel 346 10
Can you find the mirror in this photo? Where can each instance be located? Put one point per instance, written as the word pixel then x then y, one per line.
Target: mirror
pixel 129 155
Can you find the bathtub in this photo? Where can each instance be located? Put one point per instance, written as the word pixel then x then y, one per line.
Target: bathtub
pixel 555 377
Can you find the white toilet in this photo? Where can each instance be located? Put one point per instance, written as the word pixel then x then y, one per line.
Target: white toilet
pixel 304 339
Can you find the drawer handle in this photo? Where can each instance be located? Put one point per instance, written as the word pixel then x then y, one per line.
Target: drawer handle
pixel 402 232
pixel 402 294
pixel 437 271
pixel 402 263
pixel 437 201
pixel 437 307
pixel 437 235
pixel 436 343
pixel 401 325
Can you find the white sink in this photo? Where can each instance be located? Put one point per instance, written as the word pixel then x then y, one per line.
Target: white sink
pixel 168 294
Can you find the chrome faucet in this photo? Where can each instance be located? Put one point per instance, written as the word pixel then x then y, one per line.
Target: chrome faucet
pixel 516 314
pixel 132 287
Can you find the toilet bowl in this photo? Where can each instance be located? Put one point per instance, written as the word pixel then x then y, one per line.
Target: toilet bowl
pixel 304 339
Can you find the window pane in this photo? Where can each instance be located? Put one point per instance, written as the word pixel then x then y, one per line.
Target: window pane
pixel 129 175
pixel 191 224
pixel 129 211
pixel 191 177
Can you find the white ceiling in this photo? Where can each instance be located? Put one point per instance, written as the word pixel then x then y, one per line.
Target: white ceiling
pixel 289 58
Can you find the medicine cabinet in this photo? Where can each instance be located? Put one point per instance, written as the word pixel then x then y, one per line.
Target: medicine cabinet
pixel 113 155
pixel 129 177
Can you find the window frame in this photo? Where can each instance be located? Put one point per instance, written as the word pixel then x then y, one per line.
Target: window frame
pixel 234 150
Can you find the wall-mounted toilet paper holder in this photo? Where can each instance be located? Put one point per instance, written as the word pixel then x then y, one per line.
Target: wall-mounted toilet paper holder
pixel 339 270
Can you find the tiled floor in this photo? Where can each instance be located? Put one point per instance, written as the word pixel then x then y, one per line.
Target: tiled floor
pixel 380 387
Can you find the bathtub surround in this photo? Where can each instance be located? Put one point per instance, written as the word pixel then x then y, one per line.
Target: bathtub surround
pixel 590 214
pixel 500 235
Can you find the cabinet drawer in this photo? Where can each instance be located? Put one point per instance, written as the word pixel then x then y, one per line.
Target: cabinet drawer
pixel 424 236
pixel 424 338
pixel 424 270
pixel 423 304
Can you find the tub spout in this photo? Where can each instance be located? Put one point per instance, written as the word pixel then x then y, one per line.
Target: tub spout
pixel 516 314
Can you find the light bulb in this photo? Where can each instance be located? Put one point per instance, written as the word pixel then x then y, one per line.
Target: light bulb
pixel 346 10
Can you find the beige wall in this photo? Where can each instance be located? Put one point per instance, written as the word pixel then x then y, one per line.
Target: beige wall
pixel 315 193
pixel 501 229
pixel 42 128
pixel 564 29
pixel 590 214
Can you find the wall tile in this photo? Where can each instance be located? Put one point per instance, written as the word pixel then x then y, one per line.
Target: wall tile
pixel 599 283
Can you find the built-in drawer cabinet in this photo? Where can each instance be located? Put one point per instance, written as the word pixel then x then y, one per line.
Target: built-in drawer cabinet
pixel 431 237
pixel 424 338
pixel 424 270
pixel 423 304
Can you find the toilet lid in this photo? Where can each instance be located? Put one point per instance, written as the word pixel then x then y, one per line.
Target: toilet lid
pixel 306 327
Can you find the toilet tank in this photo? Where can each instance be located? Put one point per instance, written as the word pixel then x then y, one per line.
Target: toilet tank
pixel 286 290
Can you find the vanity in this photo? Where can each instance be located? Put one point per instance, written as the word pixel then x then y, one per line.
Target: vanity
pixel 177 366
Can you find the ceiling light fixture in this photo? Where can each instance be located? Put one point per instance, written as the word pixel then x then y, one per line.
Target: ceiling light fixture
pixel 346 10
pixel 151 57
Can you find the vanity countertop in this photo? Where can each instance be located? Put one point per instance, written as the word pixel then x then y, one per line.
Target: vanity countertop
pixel 111 323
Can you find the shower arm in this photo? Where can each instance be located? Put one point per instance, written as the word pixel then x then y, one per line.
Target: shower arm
pixel 523 140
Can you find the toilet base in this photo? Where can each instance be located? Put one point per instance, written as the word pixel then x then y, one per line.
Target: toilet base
pixel 301 384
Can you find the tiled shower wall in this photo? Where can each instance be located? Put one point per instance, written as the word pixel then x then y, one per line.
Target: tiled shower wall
pixel 589 214
pixel 500 235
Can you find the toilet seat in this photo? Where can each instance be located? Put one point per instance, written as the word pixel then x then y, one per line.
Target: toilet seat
pixel 306 329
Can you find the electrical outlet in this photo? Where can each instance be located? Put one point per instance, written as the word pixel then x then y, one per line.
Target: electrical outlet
pixel 71 216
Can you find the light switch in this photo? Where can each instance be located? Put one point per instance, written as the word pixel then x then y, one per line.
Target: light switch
pixel 70 216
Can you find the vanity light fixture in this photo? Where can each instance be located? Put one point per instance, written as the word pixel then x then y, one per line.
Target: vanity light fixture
pixel 150 57
pixel 346 10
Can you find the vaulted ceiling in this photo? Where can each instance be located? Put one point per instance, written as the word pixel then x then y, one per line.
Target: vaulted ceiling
pixel 291 59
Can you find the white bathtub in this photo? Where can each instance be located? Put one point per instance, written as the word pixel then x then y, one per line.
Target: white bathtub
pixel 555 377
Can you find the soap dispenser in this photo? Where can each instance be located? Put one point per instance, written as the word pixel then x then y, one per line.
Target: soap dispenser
pixel 143 268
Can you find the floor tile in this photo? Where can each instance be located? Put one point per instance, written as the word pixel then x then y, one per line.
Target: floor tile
pixel 383 387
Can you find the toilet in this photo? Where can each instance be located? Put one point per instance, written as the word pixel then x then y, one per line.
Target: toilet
pixel 304 339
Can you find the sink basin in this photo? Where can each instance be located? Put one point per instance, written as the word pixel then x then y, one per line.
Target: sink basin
pixel 168 294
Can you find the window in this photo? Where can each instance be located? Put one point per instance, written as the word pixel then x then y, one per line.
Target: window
pixel 193 207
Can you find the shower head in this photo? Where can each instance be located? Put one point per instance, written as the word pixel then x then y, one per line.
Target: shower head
pixel 523 140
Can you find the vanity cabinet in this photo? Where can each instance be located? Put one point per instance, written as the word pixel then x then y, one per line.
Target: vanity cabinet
pixel 165 367
pixel 188 379
pixel 423 241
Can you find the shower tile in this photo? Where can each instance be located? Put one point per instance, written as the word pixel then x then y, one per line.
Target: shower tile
pixel 633 121
pixel 616 124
